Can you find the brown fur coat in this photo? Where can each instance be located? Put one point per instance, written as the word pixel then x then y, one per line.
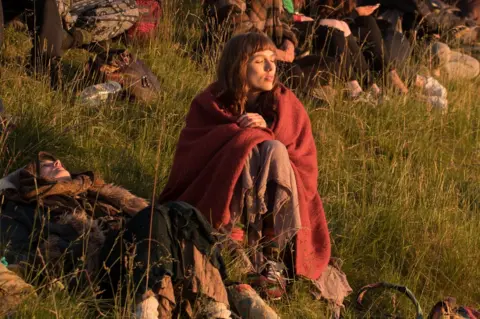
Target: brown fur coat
pixel 86 205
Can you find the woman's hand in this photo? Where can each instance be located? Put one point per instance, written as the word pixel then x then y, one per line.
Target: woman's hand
pixel 298 17
pixel 251 120
pixel 364 11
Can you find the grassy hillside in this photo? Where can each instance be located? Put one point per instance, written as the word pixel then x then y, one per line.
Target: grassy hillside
pixel 400 183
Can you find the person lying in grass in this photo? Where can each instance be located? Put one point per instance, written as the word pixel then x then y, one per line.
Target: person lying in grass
pixel 247 160
pixel 92 233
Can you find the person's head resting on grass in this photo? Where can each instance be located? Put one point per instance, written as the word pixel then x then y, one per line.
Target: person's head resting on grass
pixel 45 168
pixel 48 167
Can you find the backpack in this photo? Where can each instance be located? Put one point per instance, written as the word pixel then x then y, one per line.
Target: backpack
pixel 125 68
pixel 446 309
pixel 147 25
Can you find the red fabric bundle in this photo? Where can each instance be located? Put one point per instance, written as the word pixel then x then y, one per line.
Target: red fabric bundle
pixel 211 154
pixel 150 13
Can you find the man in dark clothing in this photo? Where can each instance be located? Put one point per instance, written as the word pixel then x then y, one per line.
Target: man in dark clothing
pixel 45 24
pixel 435 16
pixel 60 25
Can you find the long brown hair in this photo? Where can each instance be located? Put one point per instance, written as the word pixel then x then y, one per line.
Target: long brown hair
pixel 232 68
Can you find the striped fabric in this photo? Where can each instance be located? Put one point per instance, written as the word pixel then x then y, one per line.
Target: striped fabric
pixel 267 16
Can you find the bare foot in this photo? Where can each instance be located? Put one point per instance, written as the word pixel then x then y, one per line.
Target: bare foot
pixel 420 81
pixel 354 89
pixel 397 82
pixel 375 90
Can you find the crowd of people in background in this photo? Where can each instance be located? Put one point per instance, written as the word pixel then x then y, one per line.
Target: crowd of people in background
pixel 254 181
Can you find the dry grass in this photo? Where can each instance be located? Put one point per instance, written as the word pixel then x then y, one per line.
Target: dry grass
pixel 400 183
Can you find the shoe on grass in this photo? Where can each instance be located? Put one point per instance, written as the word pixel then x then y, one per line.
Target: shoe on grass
pixel 270 282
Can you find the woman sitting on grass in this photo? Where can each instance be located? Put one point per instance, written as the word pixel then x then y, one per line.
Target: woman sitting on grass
pixel 78 226
pixel 247 160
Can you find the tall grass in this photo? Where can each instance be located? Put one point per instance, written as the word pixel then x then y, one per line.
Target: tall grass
pixel 400 183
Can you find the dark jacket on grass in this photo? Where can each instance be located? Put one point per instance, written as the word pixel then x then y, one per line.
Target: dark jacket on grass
pixel 172 228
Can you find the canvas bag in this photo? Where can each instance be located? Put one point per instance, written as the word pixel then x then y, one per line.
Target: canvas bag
pixel 125 68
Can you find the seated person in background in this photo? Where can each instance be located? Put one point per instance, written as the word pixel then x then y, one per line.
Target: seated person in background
pixel 419 18
pixel 232 17
pixel 79 225
pixel 343 29
pixel 56 26
pixel 470 9
pixel 255 171
pixel 228 18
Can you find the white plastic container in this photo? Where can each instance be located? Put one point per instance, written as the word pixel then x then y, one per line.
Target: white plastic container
pixel 98 94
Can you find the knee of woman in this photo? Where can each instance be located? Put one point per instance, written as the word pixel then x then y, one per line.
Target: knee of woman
pixel 345 28
pixel 334 26
pixel 275 147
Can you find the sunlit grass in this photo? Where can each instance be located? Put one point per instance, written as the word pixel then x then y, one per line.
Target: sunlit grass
pixel 400 183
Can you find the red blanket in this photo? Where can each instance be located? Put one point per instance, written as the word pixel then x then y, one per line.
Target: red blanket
pixel 210 156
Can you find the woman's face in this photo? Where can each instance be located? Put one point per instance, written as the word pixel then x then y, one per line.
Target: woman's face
pixel 261 71
pixel 54 170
